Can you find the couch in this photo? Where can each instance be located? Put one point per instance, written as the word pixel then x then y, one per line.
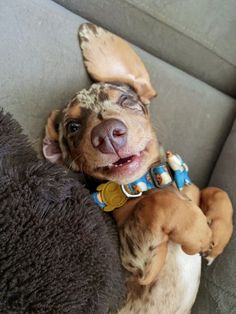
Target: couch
pixel 189 49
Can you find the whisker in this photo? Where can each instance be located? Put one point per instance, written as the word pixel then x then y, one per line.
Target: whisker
pixel 70 165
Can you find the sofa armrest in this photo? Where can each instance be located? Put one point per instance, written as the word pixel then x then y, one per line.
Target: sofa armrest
pixel 217 292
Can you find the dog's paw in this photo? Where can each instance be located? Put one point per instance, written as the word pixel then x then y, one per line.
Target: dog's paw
pixel 221 233
pixel 198 242
pixel 207 255
pixel 172 215
pixel 196 235
pixel 218 209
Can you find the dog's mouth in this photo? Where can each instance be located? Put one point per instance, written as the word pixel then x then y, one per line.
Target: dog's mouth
pixel 122 162
pixel 125 165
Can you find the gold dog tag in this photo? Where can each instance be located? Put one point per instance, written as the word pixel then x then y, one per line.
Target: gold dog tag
pixel 111 195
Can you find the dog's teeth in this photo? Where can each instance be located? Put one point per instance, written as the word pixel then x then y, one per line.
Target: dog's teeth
pixel 116 166
pixel 129 160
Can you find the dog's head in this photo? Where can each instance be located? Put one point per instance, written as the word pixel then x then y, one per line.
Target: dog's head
pixel 105 131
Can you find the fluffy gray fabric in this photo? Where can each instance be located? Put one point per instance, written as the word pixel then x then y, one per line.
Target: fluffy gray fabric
pixel 58 252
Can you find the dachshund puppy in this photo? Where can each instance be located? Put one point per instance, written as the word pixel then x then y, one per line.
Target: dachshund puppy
pixel 106 133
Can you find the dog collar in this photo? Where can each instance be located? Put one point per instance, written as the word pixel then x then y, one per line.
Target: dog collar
pixel 111 195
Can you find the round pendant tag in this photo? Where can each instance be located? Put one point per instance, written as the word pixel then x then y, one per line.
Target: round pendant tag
pixel 112 195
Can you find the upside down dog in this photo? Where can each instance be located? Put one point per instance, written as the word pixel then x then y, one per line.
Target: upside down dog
pixel 106 133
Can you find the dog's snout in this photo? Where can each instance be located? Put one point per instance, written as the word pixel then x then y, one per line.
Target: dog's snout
pixel 109 136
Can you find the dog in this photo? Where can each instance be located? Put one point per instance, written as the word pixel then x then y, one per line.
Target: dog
pixel 106 133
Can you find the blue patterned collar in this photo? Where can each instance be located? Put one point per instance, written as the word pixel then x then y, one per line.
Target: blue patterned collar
pixel 111 195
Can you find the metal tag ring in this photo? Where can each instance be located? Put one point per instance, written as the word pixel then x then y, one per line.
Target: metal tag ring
pixel 128 194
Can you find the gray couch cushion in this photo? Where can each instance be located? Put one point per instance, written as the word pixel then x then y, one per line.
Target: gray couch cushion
pixel 41 68
pixel 218 285
pixel 196 36
pixel 40 65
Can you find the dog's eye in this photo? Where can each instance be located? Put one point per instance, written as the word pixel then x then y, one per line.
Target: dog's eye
pixel 126 101
pixel 73 126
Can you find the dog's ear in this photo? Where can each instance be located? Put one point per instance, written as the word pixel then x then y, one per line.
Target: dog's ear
pixel 109 58
pixel 51 147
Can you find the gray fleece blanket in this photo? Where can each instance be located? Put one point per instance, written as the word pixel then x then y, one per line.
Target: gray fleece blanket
pixel 58 252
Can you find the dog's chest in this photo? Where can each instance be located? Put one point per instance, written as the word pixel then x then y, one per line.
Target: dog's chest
pixel 174 291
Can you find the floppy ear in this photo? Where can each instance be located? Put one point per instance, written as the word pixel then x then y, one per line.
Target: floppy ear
pixel 51 148
pixel 109 58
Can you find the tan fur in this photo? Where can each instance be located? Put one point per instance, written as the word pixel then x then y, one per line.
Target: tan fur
pixel 162 212
pixel 50 126
pixel 218 209
pixel 157 228
pixel 156 218
pixel 86 158
pixel 74 111
pixel 109 58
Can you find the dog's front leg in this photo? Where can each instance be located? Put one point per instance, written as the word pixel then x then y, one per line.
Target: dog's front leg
pixel 142 254
pixel 218 209
pixel 160 216
pixel 193 193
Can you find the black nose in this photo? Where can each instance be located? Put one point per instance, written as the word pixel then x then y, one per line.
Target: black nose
pixel 109 136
